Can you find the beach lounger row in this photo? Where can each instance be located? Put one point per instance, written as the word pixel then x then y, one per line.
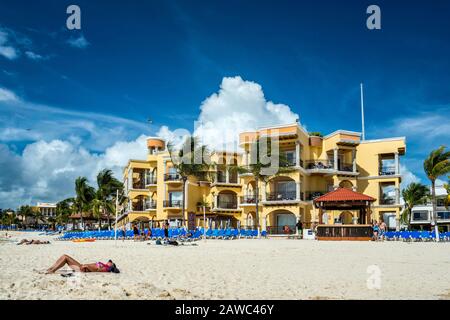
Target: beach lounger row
pixel 158 234
pixel 411 236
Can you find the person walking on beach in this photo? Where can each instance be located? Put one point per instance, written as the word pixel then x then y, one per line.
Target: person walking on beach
pixel 166 230
pixel 299 227
pixel 124 233
pixel 136 233
pixel 382 230
pixel 375 228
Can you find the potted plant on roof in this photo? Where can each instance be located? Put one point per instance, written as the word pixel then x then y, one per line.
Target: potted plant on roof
pixel 315 139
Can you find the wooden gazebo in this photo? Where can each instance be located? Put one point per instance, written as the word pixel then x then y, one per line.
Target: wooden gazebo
pixel 345 200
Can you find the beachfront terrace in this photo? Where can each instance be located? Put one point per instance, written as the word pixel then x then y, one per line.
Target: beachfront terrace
pixel 172 177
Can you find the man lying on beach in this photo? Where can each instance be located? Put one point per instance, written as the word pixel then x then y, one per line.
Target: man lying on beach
pixel 76 266
pixel 25 241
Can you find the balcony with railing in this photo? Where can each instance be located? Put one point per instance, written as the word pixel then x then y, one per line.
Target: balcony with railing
pixel 311 195
pixel 226 204
pixel 319 164
pixel 345 167
pixel 137 206
pixel 150 180
pixel 139 184
pixel 387 170
pixel 249 200
pixel 387 200
pixel 172 203
pixel 150 205
pixel 223 177
pixel 388 164
pixel 281 196
pixel 172 177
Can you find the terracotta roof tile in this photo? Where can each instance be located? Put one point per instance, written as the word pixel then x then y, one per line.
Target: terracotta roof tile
pixel 343 194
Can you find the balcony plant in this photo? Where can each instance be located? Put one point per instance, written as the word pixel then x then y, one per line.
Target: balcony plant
pixel 315 139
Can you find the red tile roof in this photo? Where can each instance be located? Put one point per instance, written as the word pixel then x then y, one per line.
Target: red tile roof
pixel 343 194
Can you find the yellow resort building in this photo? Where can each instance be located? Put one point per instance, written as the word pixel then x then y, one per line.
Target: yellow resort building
pixel 318 165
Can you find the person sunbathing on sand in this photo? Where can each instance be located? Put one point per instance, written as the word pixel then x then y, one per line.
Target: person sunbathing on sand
pixel 25 241
pixel 76 266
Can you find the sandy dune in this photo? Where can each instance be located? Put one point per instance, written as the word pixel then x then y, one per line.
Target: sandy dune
pixel 239 269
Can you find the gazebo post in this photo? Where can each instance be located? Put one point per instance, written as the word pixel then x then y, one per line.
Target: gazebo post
pixel 320 215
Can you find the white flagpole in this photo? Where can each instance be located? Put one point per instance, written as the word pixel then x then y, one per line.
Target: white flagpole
pixel 362 113
pixel 115 225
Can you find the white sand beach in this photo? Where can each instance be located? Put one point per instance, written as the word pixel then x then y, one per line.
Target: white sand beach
pixel 237 269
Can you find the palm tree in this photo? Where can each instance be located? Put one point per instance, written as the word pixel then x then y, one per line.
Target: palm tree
pixel 103 203
pixel 25 212
pixel 259 169
pixel 85 194
pixel 191 159
pixel 436 165
pixel 38 216
pixel 64 209
pixel 413 194
pixel 9 217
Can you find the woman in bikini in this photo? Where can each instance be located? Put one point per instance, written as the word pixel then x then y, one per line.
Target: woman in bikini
pixel 76 266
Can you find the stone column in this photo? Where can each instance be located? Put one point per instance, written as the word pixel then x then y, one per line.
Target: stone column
pixel 397 164
pixel 227 175
pixel 335 153
pixel 298 191
pixel 397 195
pixel 354 159
pixel 264 191
pixel 297 154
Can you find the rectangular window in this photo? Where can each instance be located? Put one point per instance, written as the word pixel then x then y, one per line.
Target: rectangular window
pixel 387 165
pixel 290 157
pixel 443 215
pixel 420 215
pixel 387 194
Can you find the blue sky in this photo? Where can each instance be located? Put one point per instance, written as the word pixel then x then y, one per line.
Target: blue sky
pixel 84 97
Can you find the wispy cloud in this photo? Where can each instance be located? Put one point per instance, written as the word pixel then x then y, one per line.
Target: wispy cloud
pixel 24 120
pixel 80 42
pixel 423 130
pixel 7 50
pixel 7 95
pixel 35 56
pixel 425 125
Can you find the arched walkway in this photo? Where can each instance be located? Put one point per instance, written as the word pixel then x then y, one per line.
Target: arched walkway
pixel 281 222
pixel 227 199
pixel 281 188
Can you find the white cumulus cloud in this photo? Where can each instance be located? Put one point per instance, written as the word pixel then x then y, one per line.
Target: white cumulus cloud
pixel 238 106
pixel 46 171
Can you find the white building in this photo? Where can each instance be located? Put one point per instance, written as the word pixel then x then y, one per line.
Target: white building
pixel 46 209
pixel 421 216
